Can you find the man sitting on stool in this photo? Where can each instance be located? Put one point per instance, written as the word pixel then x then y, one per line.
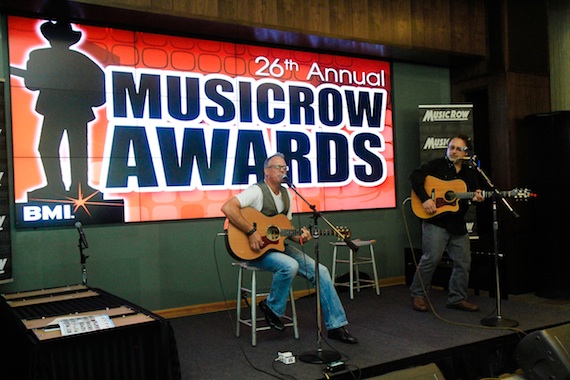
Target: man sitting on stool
pixel 270 198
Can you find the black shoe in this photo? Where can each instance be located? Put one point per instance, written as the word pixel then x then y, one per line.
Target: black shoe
pixel 270 317
pixel 343 335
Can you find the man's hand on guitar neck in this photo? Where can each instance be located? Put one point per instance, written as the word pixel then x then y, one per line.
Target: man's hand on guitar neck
pixel 304 237
pixel 479 197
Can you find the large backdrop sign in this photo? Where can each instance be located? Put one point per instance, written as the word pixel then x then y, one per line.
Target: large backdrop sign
pixel 111 125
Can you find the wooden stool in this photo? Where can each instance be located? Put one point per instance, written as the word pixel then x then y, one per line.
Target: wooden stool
pixel 242 293
pixel 353 262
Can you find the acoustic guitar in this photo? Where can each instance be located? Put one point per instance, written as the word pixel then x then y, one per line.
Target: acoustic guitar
pixel 447 193
pixel 274 230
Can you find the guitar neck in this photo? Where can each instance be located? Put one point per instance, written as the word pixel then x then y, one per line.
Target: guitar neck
pixel 486 194
pixel 300 232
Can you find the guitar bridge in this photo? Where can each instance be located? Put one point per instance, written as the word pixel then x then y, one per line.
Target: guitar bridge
pixel 441 202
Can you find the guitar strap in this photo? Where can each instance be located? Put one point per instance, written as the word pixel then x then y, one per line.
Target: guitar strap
pixel 269 207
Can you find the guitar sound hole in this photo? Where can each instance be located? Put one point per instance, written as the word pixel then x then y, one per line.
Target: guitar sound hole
pixel 449 196
pixel 272 233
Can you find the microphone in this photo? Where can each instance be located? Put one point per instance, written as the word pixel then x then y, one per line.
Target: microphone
pixel 287 180
pixel 468 158
pixel 82 236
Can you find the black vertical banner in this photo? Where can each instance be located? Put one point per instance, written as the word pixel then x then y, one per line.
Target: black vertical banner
pixel 438 124
pixel 5 239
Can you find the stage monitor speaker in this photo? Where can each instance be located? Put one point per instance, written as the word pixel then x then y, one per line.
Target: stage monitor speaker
pixel 545 354
pixel 429 371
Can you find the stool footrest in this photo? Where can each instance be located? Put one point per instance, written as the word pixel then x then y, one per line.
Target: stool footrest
pixel 356 261
pixel 264 327
pixel 369 283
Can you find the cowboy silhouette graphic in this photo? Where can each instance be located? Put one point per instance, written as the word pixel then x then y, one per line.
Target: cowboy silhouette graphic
pixel 70 84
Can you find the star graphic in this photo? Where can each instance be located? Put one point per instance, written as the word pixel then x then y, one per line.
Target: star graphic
pixel 80 201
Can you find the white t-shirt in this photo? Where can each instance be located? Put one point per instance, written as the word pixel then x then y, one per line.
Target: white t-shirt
pixel 253 197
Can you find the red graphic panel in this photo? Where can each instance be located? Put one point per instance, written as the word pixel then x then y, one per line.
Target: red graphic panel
pixel 135 126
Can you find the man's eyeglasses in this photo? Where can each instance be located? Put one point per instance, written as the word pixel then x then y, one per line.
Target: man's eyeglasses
pixel 279 167
pixel 459 148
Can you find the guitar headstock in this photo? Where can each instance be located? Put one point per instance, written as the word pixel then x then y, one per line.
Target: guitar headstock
pixel 344 231
pixel 522 194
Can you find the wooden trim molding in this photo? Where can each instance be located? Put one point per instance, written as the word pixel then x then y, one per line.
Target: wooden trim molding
pixel 214 307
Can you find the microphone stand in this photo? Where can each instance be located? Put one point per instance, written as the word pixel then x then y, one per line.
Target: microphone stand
pixel 497 320
pixel 83 259
pixel 320 356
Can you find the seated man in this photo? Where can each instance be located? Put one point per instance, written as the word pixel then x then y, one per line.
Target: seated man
pixel 270 198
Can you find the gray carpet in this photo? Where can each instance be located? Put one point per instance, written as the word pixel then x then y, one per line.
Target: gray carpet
pixel 392 335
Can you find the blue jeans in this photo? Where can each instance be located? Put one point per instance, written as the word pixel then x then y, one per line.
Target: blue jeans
pixel 436 240
pixel 284 266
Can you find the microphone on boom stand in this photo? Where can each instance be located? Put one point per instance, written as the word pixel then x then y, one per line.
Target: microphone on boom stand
pixel 286 180
pixel 471 160
pixel 83 257
pixel 318 356
pixel 82 237
pixel 497 320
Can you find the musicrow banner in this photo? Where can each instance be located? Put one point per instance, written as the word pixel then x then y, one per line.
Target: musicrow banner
pixel 438 124
pixel 112 125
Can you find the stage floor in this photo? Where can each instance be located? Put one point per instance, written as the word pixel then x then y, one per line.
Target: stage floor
pixel 392 336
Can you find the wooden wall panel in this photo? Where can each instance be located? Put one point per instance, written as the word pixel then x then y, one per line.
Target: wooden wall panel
pixel 208 9
pixel 437 25
pixel 360 12
pixel 431 24
pixel 341 19
pixel 559 54
pixel 527 94
pixel 466 26
pixel 390 21
pixel 318 15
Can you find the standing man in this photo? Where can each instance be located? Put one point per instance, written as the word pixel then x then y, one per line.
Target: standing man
pixel 271 198
pixel 446 232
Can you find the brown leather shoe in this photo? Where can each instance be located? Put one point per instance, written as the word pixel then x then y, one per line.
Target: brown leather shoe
pixel 463 305
pixel 419 304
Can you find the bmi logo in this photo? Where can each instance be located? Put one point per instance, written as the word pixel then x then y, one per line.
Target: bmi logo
pixel 45 212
